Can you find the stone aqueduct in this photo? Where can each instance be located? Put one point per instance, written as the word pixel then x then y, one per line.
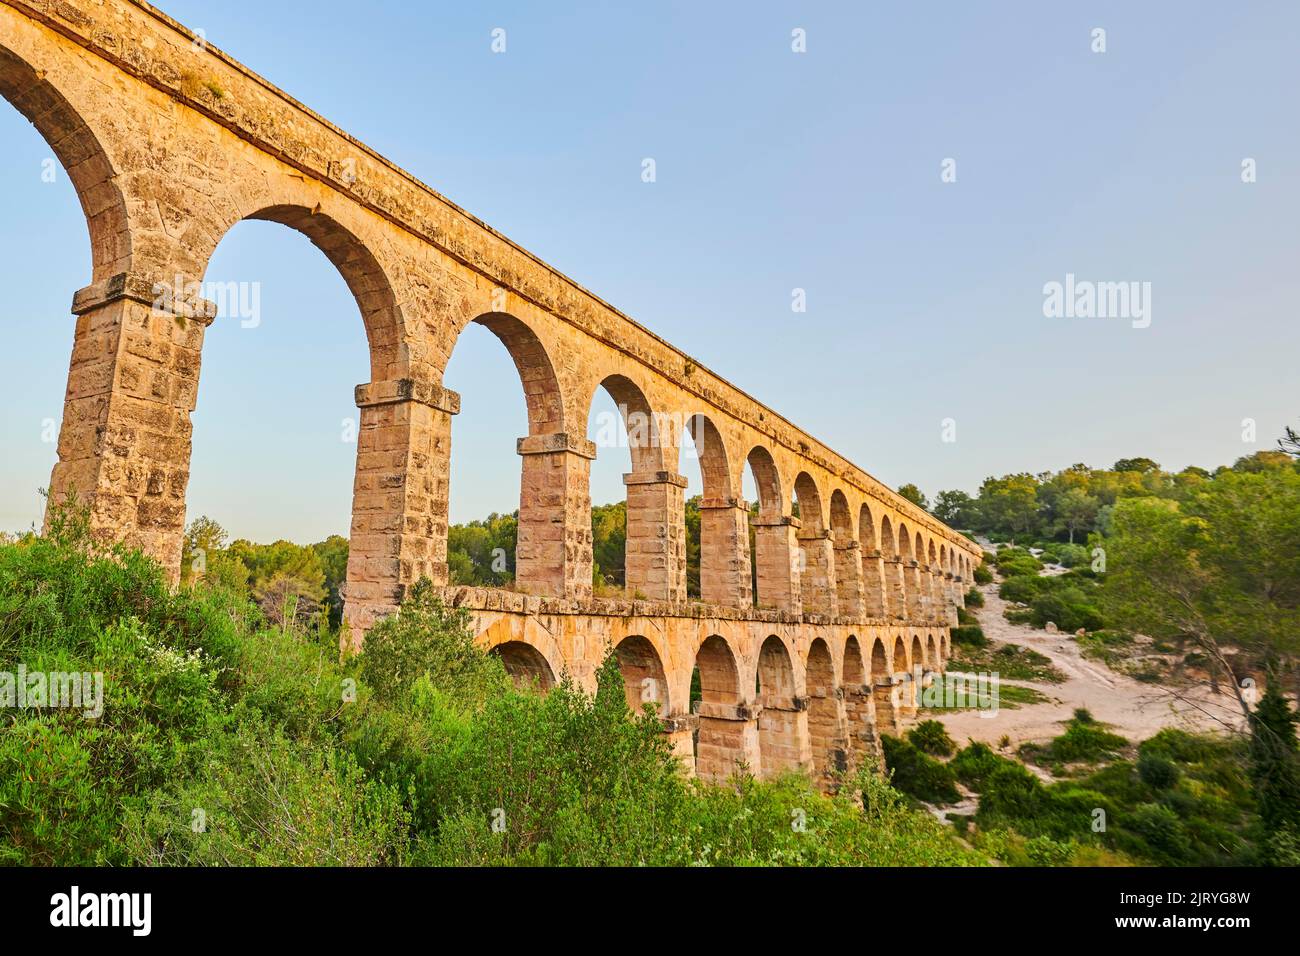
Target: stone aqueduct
pixel 169 143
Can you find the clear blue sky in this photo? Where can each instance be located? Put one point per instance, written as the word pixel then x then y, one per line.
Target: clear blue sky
pixel 776 170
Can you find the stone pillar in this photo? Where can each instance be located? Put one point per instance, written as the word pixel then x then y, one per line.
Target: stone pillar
pixel 655 562
pixel 875 601
pixel 553 550
pixel 955 599
pixel 399 497
pixel 895 588
pixel 817 587
pixel 727 738
pixel 124 445
pixel 886 709
pixel 783 735
pixel 828 743
pixel 860 722
pixel 850 599
pixel 912 590
pixel 775 548
pixel 724 553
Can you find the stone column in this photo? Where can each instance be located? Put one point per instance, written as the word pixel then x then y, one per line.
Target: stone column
pixel 655 557
pixel 553 550
pixel 850 599
pixel 783 735
pixel 399 497
pixel 895 588
pixel 912 590
pixel 817 588
pixel 124 445
pixel 775 548
pixel 724 553
pixel 886 705
pixel 953 590
pixel 875 601
pixel 727 738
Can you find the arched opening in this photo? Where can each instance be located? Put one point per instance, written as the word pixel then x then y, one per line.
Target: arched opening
pixel 525 665
pixel 720 737
pixel 894 591
pixel 782 726
pixel 638 541
pixel 825 733
pixel 882 684
pixel 849 598
pixel 918 666
pixel 644 682
pixel 318 492
pixel 63 190
pixel 910 596
pixel 932 658
pixel 873 574
pixel 775 571
pixel 857 709
pixel 817 587
pixel 511 485
pixel 717 566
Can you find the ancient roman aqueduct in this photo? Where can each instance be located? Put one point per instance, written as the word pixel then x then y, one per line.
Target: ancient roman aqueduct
pixel 169 143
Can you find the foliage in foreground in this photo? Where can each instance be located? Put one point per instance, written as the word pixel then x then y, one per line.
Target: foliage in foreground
pixel 227 741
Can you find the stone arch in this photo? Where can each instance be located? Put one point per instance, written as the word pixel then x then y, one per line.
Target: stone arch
pixel 882 687
pixel 782 723
pixel 855 685
pixel 775 574
pixel 724 572
pixel 644 680
pixel 825 733
pixel 850 596
pixel 32 92
pixel 932 654
pixel 368 281
pixel 818 590
pixel 541 385
pixel 874 599
pixel 888 541
pixel 639 422
pixel 720 740
pixel 526 665
pixel 767 479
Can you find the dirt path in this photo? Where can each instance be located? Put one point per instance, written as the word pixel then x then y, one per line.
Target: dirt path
pixel 1134 709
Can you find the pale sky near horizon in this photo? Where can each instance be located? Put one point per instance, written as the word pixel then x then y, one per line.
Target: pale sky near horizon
pixel 775 170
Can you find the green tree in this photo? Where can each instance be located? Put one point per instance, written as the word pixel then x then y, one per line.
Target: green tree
pixel 1076 510
pixel 1009 504
pixel 914 495
pixel 1136 465
pixel 955 509
pixel 1275 770
pixel 1221 569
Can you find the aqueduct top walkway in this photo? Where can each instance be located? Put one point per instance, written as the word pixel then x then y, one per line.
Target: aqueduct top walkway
pixel 169 143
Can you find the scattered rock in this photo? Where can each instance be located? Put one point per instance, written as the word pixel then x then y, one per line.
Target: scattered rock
pixel 1050 627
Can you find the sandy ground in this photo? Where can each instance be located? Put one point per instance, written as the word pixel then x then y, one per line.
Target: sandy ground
pixel 1134 709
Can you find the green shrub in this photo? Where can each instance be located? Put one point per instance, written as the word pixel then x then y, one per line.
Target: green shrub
pixel 931 737
pixel 982 575
pixel 918 774
pixel 975 763
pixel 1084 740
pixel 970 635
pixel 1156 771
pixel 1021 589
pixel 974 598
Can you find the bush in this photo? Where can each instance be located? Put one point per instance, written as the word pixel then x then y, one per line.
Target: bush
pixel 1020 589
pixel 982 574
pixel 1072 555
pixel 974 598
pixel 918 774
pixel 970 635
pixel 1156 771
pixel 931 737
pixel 975 763
pixel 1084 740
